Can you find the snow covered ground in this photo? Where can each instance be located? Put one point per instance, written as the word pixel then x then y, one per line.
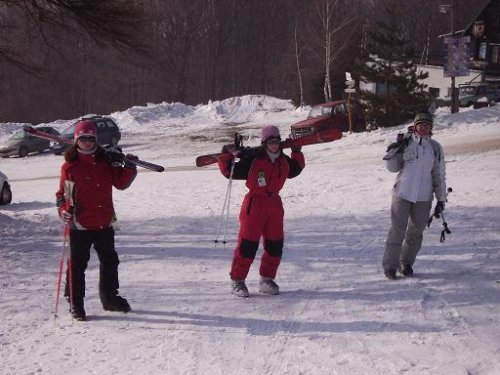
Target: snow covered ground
pixel 337 314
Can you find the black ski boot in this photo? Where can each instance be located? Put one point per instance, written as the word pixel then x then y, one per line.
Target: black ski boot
pixel 115 303
pixel 66 292
pixel 78 312
pixel 390 274
pixel 406 270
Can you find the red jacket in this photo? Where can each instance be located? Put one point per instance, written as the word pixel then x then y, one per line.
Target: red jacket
pixel 92 179
pixel 262 176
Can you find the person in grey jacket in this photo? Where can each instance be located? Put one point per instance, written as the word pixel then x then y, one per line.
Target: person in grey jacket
pixel 420 165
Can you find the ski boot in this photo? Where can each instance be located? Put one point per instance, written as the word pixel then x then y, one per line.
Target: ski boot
pixel 115 303
pixel 239 289
pixel 268 286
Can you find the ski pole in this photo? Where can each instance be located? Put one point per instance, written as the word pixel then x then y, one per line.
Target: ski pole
pixel 445 230
pixel 225 206
pixel 59 277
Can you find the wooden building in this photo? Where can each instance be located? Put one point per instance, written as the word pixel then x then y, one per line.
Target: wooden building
pixel 484 31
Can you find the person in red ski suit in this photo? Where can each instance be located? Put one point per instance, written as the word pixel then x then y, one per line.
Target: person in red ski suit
pixel 85 204
pixel 262 211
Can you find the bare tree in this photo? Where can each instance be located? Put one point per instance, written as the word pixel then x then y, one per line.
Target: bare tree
pixel 298 52
pixel 114 22
pixel 327 44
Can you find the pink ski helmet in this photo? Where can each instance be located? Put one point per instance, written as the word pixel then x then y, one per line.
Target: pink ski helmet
pixel 269 131
pixel 85 128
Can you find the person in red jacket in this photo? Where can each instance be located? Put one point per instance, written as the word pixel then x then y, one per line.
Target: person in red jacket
pixel 85 204
pixel 262 211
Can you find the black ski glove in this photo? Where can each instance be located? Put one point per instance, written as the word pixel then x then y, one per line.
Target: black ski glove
pixel 115 157
pixel 398 143
pixel 439 208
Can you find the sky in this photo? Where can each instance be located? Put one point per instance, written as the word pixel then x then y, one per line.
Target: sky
pixel 336 314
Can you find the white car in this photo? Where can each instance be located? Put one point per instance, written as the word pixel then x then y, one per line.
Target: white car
pixel 5 192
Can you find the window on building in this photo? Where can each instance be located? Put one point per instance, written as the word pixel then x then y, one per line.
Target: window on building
pixel 482 51
pixel 495 54
pixel 434 91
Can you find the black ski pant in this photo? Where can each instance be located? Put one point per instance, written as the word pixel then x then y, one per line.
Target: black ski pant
pixel 103 241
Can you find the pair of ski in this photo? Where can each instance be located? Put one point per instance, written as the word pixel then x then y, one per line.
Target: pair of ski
pixel 116 153
pixel 325 135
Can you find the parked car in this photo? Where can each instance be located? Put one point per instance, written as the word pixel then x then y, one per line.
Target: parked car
pixel 107 133
pixel 469 94
pixel 330 115
pixel 5 191
pixel 21 143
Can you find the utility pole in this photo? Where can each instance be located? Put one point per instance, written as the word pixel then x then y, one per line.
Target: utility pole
pixel 454 99
pixel 445 8
pixel 349 90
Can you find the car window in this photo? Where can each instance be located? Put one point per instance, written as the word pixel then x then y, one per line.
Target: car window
pixel 69 130
pixel 18 135
pixel 326 111
pixel 315 112
pixel 111 124
pixel 100 125
pixel 339 109
pixel 466 90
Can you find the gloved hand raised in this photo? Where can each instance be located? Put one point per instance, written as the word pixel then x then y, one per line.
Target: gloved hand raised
pixel 115 157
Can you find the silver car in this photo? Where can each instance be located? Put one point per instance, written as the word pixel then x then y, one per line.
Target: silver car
pixel 5 192
pixel 21 144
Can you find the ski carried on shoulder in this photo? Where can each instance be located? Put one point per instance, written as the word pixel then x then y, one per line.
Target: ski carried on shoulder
pixel 117 154
pixel 326 135
pixel 400 144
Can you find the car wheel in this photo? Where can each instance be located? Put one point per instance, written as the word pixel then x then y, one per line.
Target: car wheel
pixel 5 194
pixel 23 151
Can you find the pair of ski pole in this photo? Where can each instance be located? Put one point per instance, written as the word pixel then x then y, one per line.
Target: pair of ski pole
pixel 445 230
pixel 225 207
pixel 66 245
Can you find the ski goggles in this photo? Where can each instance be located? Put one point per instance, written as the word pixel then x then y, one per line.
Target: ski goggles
pixel 86 138
pixel 273 141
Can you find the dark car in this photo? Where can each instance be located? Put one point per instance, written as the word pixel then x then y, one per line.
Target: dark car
pixel 472 93
pixel 330 115
pixel 21 143
pixel 5 192
pixel 107 133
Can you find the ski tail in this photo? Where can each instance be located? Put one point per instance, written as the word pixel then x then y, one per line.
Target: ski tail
pixel 326 135
pixel 51 137
pixel 204 160
pixel 145 164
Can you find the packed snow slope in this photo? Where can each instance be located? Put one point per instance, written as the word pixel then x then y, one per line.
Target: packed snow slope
pixel 336 314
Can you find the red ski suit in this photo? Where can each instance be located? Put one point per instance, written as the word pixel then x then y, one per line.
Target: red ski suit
pixel 262 211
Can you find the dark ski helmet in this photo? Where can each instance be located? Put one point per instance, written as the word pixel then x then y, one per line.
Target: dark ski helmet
pixel 423 117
